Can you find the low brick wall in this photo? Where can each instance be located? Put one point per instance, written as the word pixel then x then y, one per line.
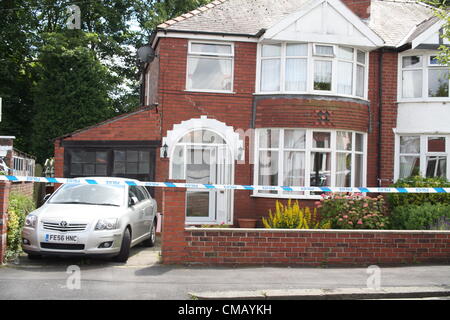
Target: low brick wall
pixel 25 188
pixel 313 247
pixel 181 245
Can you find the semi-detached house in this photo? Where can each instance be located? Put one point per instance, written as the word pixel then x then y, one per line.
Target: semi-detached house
pixel 291 93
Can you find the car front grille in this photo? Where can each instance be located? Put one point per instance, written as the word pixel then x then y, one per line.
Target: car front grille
pixel 62 246
pixel 71 227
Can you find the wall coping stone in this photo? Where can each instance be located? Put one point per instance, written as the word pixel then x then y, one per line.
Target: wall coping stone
pixel 193 229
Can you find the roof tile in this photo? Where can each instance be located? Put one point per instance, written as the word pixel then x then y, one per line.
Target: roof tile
pixel 392 20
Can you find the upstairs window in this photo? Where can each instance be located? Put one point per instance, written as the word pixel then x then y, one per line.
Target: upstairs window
pixel 312 68
pixel 210 67
pixel 423 77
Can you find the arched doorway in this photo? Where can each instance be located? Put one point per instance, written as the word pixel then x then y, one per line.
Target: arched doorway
pixel 203 151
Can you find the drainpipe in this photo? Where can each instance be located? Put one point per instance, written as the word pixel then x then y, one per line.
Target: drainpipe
pixel 253 121
pixel 380 113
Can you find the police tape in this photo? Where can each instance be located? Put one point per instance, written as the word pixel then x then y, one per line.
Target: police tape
pixel 113 181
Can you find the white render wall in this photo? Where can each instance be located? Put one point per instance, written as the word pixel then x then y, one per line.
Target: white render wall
pixel 423 117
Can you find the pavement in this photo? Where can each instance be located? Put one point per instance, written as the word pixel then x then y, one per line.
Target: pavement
pixel 143 277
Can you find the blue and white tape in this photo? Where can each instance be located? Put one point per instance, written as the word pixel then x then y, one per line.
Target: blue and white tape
pixel 112 181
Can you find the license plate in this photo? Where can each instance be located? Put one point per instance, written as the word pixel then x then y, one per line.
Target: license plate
pixel 61 238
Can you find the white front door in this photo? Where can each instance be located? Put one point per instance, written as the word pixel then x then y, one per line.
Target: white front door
pixel 208 165
pixel 200 168
pixel 224 176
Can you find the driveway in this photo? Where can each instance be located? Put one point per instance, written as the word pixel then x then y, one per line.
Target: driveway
pixel 142 277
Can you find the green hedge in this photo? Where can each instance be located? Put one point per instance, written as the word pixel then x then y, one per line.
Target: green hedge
pixel 401 199
pixel 426 216
pixel 18 208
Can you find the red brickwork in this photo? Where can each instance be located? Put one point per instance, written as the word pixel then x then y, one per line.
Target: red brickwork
pixel 315 248
pixel 360 7
pixel 293 247
pixel 25 188
pixel 173 242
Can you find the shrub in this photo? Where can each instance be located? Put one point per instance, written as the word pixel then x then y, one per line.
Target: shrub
pixel 402 199
pixel 292 216
pixel 421 217
pixel 18 208
pixel 353 211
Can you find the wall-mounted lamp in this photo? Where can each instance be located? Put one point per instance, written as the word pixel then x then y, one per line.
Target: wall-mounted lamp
pixel 164 149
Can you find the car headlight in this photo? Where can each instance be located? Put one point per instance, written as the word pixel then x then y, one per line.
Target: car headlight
pixel 30 221
pixel 107 224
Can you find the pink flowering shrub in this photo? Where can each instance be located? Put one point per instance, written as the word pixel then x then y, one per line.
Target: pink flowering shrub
pixel 353 211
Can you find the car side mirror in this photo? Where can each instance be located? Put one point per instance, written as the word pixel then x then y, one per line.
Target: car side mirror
pixel 47 196
pixel 132 201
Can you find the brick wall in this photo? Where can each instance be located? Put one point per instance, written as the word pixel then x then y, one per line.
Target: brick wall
pixel 4 198
pixel 173 242
pixel 177 105
pixel 315 248
pixel 293 247
pixel 360 7
pixel 388 116
pixel 143 124
pixel 25 188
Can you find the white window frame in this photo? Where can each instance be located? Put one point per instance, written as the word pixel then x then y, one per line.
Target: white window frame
pixel 210 55
pixel 423 154
pixel 311 58
pixel 426 66
pixel 308 150
pixel 324 55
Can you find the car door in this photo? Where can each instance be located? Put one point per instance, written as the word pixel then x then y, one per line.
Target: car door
pixel 136 212
pixel 149 210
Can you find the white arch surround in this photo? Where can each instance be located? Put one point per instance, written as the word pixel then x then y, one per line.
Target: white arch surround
pixel 232 138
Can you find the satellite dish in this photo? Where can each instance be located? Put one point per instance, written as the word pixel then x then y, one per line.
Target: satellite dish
pixel 146 54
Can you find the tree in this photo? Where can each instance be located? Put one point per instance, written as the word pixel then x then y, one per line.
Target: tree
pixel 71 90
pixel 54 81
pixel 16 33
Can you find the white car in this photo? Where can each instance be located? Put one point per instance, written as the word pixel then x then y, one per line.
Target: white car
pixel 92 219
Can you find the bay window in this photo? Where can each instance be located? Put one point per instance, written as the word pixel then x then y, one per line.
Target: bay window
pixel 210 67
pixel 423 77
pixel 312 68
pixel 310 158
pixel 270 68
pixel 423 155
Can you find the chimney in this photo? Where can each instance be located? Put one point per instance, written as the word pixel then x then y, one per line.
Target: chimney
pixel 360 7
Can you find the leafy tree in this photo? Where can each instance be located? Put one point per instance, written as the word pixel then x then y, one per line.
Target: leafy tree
pixel 16 33
pixel 54 80
pixel 71 90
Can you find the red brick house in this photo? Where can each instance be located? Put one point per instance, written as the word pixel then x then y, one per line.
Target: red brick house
pixel 291 92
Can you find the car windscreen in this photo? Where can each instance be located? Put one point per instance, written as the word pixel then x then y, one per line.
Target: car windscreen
pixel 106 195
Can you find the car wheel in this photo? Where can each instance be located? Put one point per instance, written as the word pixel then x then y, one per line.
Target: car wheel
pixel 125 247
pixel 33 256
pixel 150 242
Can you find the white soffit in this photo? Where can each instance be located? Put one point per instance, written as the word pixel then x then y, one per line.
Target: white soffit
pixel 325 21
